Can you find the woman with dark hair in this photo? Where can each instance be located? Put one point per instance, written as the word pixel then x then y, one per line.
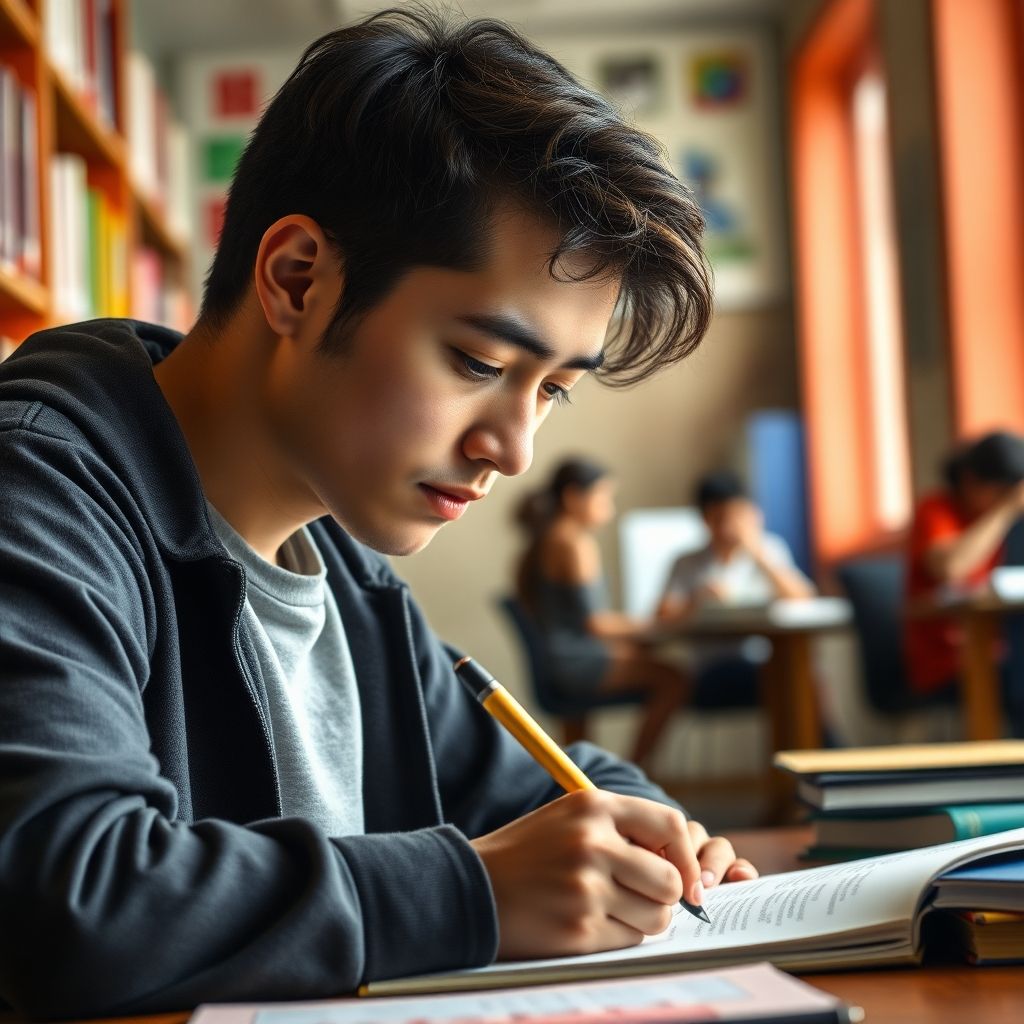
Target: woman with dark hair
pixel 590 649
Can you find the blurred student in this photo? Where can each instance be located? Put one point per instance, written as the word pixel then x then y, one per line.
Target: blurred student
pixel 590 649
pixel 957 537
pixel 741 564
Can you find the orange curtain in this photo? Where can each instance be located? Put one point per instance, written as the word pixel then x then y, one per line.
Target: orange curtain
pixel 829 288
pixel 980 93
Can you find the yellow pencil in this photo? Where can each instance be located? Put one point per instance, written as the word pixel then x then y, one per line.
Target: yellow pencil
pixel 534 740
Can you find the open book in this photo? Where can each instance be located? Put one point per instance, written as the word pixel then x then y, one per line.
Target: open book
pixel 863 913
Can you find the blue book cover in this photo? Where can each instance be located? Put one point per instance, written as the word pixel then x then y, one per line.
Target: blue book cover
pixel 1007 869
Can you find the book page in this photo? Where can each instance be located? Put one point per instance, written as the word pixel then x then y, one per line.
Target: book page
pixel 824 908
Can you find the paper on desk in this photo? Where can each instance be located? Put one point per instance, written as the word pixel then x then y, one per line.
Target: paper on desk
pixel 756 991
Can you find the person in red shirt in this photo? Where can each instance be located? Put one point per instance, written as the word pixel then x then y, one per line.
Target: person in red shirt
pixel 957 537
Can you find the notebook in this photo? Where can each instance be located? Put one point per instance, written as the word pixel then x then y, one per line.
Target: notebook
pixel 863 913
pixel 753 993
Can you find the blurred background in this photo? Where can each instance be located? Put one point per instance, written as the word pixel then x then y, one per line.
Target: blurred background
pixel 860 167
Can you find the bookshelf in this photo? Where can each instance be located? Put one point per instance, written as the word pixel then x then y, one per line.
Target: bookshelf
pixel 90 219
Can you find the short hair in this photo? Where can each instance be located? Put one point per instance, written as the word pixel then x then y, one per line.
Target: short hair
pixel 722 485
pixel 403 134
pixel 996 458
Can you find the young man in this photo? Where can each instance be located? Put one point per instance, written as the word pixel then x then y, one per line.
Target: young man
pixel 740 564
pixel 234 761
pixel 958 536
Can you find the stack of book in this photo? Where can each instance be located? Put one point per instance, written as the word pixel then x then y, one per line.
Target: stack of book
pixel 993 933
pixel 871 800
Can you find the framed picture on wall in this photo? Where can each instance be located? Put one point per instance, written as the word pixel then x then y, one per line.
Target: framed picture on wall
pixel 711 98
pixel 635 84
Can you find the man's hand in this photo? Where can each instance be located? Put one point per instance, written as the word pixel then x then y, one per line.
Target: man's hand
pixel 595 870
pixel 718 860
pixel 578 875
pixel 749 527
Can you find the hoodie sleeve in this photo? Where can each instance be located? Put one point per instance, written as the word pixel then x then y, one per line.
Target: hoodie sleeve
pixel 109 902
pixel 486 778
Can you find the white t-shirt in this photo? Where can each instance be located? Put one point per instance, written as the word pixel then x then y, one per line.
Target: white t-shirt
pixel 743 581
pixel 741 578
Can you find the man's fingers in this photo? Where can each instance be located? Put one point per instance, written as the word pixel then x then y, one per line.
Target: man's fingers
pixel 740 871
pixel 635 912
pixel 661 829
pixel 648 874
pixel 716 857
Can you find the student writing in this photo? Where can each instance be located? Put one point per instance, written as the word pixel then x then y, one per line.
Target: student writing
pixel 235 763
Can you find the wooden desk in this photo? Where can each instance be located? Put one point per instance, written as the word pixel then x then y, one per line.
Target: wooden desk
pixel 980 697
pixel 789 692
pixel 901 995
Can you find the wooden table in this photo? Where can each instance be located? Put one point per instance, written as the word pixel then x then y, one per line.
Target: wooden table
pixel 980 617
pixel 901 995
pixel 789 692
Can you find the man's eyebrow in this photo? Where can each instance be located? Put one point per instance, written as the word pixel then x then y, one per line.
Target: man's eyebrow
pixel 513 331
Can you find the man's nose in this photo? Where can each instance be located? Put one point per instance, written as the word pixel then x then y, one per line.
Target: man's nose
pixel 503 436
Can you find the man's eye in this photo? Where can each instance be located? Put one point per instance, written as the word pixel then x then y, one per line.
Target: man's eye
pixel 557 394
pixel 476 368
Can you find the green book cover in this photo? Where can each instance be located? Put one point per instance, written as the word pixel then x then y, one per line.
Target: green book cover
pixel 970 820
pixel 844 836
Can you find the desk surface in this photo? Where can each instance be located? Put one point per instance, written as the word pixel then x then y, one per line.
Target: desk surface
pixel 782 617
pixel 945 994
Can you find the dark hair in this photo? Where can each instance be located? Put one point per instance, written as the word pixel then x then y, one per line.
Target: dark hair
pixel 536 512
pixel 400 136
pixel 722 485
pixel 996 458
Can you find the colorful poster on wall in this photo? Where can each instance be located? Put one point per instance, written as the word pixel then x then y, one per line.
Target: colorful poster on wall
pixel 634 84
pixel 719 79
pixel 236 93
pixel 222 97
pixel 710 97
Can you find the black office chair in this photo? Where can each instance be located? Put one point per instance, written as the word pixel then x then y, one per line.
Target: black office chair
pixel 874 587
pixel 572 710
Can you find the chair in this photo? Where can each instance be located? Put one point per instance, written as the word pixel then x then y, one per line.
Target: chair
pixel 572 711
pixel 874 587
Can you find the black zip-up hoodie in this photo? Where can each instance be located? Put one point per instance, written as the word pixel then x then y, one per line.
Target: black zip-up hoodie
pixel 144 862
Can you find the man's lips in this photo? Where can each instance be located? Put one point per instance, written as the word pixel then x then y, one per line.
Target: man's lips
pixel 449 502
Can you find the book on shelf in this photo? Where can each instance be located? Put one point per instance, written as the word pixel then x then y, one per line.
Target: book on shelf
pixel 837 836
pixel 924 775
pixel 756 992
pixel 79 40
pixel 858 914
pixel 156 296
pixel 19 177
pixel 158 145
pixel 88 245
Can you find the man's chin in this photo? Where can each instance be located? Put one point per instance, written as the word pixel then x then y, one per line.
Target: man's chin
pixel 396 542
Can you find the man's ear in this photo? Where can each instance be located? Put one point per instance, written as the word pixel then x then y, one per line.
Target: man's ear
pixel 296 276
